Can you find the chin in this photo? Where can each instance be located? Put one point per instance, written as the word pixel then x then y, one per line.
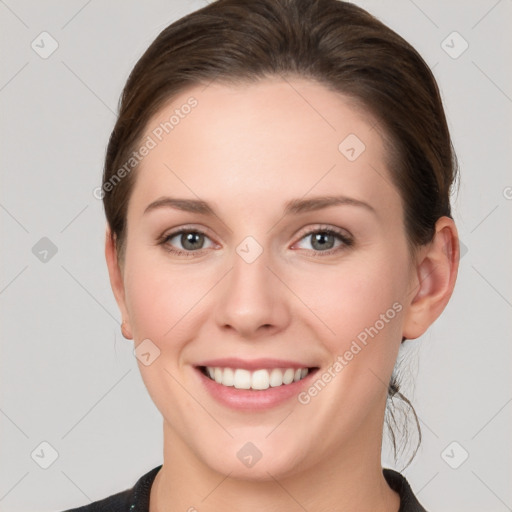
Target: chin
pixel 261 460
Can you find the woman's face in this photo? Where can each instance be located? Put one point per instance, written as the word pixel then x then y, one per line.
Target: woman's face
pixel 268 279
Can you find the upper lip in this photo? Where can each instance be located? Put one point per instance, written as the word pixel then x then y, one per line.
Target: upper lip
pixel 253 364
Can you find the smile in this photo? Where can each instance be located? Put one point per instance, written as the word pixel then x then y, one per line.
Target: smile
pixel 260 379
pixel 254 384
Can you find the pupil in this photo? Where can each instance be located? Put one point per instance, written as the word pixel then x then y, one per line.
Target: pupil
pixel 320 237
pixel 189 242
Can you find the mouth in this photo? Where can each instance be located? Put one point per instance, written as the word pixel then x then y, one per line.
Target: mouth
pixel 255 384
pixel 256 380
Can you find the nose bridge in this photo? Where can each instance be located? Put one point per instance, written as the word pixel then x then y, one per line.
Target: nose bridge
pixel 249 280
pixel 251 296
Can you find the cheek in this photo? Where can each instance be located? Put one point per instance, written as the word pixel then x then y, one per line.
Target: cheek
pixel 163 300
pixel 360 307
pixel 162 304
pixel 352 297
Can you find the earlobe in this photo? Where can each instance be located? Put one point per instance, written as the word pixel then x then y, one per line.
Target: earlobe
pixel 126 331
pixel 117 281
pixel 435 276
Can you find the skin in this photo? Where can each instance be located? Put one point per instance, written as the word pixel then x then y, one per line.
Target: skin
pixel 247 150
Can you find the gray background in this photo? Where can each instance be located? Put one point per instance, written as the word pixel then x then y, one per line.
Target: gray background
pixel 68 378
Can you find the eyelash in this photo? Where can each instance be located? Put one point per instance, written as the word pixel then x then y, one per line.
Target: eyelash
pixel 346 241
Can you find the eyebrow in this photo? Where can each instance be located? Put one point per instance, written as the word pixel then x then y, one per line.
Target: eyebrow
pixel 295 206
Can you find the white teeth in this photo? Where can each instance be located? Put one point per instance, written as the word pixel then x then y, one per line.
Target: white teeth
pixel 242 379
pixel 276 377
pixel 228 377
pixel 258 380
pixel 288 376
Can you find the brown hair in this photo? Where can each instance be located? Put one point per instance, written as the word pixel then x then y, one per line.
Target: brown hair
pixel 332 42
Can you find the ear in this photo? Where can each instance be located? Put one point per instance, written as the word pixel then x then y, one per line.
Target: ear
pixel 435 272
pixel 117 281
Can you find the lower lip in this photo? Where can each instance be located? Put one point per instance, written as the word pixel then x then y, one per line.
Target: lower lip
pixel 248 399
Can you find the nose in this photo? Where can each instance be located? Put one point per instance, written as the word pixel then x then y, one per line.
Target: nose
pixel 253 302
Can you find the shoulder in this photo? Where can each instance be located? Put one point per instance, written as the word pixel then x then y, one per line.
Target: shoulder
pixel 134 499
pixel 116 503
pixel 397 482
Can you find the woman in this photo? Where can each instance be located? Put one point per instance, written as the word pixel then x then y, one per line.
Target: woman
pixel 277 197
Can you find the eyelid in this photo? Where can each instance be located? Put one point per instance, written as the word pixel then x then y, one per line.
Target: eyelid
pixel 323 228
pixel 185 228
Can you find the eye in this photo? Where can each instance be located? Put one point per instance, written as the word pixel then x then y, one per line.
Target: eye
pixel 191 241
pixel 323 241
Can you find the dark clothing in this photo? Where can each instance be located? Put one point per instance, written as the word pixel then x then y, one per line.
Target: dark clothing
pixel 136 499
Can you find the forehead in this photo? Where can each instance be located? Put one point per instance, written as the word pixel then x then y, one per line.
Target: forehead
pixel 277 137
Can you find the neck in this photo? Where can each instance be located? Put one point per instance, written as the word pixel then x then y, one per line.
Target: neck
pixel 349 479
